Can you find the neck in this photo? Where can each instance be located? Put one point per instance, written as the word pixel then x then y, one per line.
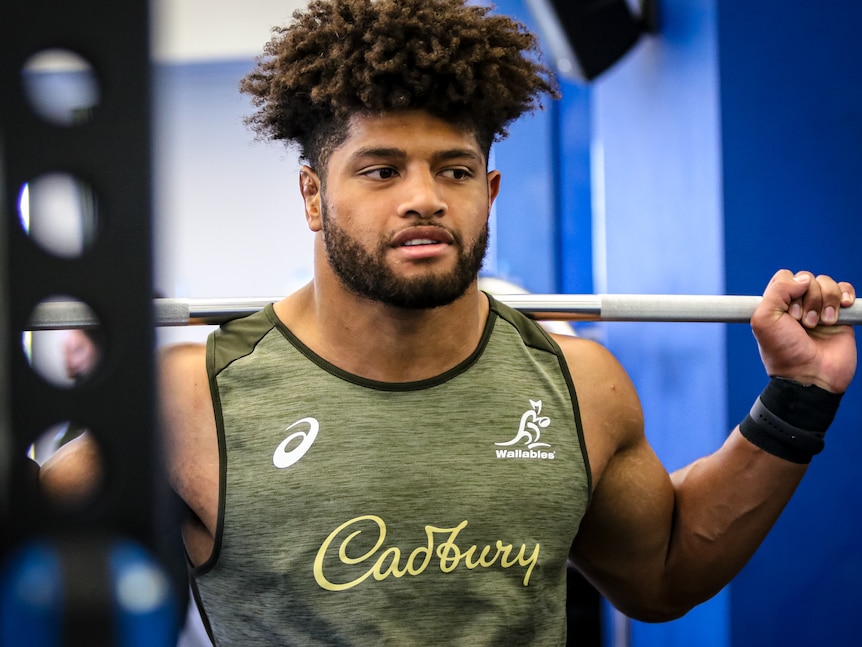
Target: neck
pixel 382 342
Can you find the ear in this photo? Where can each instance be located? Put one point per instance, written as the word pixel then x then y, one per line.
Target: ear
pixel 309 187
pixel 494 179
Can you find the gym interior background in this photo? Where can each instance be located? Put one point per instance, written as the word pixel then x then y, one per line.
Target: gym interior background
pixel 721 148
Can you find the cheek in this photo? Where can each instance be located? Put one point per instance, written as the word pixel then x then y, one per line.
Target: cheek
pixel 479 224
pixel 345 225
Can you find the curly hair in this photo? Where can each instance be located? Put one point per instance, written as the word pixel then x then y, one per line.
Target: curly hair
pixel 339 58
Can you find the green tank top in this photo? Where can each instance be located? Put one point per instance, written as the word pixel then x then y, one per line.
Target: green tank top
pixel 356 512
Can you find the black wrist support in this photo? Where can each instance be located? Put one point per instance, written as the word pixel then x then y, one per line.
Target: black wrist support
pixel 790 419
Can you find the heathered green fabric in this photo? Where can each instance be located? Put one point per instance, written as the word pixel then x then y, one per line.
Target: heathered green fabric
pixel 417 514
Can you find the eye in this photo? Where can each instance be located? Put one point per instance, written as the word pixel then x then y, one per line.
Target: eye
pixel 457 173
pixel 382 173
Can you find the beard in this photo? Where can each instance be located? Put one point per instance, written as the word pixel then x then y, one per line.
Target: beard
pixel 367 274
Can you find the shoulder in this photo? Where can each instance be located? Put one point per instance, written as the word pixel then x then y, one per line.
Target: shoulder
pixel 183 380
pixel 189 428
pixel 596 371
pixel 182 357
pixel 182 373
pixel 609 406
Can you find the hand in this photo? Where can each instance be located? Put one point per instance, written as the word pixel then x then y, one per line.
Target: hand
pixel 796 331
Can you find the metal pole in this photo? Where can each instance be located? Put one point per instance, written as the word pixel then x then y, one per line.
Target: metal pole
pixel 57 315
pixel 98 138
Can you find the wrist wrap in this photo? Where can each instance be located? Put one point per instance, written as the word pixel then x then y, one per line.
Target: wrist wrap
pixel 790 419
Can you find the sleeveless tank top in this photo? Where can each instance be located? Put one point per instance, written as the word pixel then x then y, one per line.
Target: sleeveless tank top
pixel 356 512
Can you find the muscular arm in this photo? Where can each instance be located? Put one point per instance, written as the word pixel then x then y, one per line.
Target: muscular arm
pixel 191 444
pixel 656 544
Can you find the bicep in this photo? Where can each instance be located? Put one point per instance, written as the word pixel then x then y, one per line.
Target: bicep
pixel 188 426
pixel 184 397
pixel 623 539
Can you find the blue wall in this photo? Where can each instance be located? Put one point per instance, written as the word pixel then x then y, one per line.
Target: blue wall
pixel 527 221
pixel 791 105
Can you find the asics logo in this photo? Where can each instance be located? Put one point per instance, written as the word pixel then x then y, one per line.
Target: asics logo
pixel 282 457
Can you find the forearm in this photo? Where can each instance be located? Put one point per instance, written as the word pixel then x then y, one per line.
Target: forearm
pixel 725 506
pixel 669 542
pixel 749 480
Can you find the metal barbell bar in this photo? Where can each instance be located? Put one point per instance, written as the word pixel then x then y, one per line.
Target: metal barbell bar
pixel 58 315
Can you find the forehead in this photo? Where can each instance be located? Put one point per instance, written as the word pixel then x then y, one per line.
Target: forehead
pixel 409 130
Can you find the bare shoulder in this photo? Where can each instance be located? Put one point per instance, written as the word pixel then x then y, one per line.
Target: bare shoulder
pixel 185 403
pixel 181 360
pixel 189 428
pixel 609 405
pixel 184 392
pixel 588 356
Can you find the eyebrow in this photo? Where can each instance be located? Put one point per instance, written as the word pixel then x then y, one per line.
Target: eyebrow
pixel 395 153
pixel 459 154
pixel 401 154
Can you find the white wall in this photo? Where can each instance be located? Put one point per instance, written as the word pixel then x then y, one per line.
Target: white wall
pixel 197 30
pixel 228 218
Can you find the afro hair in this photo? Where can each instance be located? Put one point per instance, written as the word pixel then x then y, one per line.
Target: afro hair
pixel 459 62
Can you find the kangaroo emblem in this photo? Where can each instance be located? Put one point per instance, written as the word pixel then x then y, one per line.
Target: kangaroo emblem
pixel 530 430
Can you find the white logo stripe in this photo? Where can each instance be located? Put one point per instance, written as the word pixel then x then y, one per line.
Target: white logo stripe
pixel 282 458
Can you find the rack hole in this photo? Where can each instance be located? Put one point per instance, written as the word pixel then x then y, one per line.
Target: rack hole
pixel 63 356
pixel 59 212
pixel 74 477
pixel 61 86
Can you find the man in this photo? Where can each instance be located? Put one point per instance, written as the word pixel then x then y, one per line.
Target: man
pixel 390 456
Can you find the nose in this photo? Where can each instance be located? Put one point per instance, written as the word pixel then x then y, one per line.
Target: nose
pixel 422 197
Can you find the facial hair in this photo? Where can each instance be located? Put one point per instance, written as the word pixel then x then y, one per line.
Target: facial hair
pixel 367 274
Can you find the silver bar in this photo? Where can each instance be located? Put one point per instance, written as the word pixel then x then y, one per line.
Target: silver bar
pixel 634 307
pixel 216 311
pixel 56 315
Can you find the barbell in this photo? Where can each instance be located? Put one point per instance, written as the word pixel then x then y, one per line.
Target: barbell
pixel 59 315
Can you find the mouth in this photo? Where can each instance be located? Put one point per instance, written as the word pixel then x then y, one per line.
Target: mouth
pixel 422 243
pixel 422 236
pixel 419 241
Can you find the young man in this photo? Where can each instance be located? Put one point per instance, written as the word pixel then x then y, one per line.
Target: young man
pixel 390 456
